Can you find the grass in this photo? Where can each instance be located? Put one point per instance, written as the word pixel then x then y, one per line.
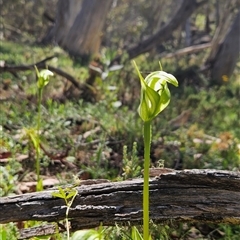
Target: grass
pixel 96 134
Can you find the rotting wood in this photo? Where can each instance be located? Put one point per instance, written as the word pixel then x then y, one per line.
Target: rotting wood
pixel 42 230
pixel 189 195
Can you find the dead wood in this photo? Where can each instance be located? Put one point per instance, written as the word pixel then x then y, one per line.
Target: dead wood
pixel 77 90
pixel 184 11
pixel 189 195
pixel 43 230
pixel 41 65
pixel 187 50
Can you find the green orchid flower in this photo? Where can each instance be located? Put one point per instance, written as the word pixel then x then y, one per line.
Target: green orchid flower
pixel 155 95
pixel 43 77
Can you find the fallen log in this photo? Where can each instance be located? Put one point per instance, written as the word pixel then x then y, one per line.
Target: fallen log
pixel 189 195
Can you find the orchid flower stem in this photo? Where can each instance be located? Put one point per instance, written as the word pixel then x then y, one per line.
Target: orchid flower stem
pixel 147 144
pixel 40 90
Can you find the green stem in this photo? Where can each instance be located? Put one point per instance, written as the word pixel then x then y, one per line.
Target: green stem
pixel 69 204
pixel 40 90
pixel 147 144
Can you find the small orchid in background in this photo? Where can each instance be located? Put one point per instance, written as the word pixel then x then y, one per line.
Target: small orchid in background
pixel 43 78
pixel 155 97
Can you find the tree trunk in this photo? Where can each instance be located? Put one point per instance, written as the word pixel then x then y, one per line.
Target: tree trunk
pixel 67 12
pixel 79 25
pixel 224 55
pixel 189 195
pixel 182 14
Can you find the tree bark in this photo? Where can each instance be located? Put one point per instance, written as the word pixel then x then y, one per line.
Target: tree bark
pixel 67 11
pixel 189 195
pixel 79 25
pixel 85 34
pixel 224 54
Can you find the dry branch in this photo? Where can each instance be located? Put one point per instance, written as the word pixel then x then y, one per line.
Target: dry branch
pixel 189 195
pixel 40 65
pixel 187 50
pixel 184 11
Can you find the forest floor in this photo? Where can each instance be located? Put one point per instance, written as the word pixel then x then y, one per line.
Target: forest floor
pixel 103 138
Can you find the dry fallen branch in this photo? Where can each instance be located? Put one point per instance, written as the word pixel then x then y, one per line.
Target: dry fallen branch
pixel 41 65
pixel 189 195
pixel 187 50
pixel 183 12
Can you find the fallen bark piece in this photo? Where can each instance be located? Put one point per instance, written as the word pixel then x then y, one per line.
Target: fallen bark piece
pixel 189 195
pixel 43 230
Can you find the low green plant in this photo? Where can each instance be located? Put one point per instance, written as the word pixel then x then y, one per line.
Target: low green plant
pixel 131 167
pixel 155 97
pixel 135 234
pixel 8 231
pixel 43 79
pixel 89 234
pixel 7 180
pixel 68 195
pixel 214 115
pixel 33 134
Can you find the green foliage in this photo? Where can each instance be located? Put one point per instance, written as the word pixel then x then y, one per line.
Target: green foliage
pixel 209 138
pixel 68 195
pixel 230 232
pixel 8 231
pixel 90 234
pixel 8 179
pixel 131 164
pixel 136 235
pixel 43 79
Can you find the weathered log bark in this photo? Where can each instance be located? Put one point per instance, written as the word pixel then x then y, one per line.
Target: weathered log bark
pixel 189 195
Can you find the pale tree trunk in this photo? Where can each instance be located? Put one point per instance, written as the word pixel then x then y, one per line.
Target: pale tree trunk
pixel 67 12
pixel 79 24
pixel 85 34
pixel 224 55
